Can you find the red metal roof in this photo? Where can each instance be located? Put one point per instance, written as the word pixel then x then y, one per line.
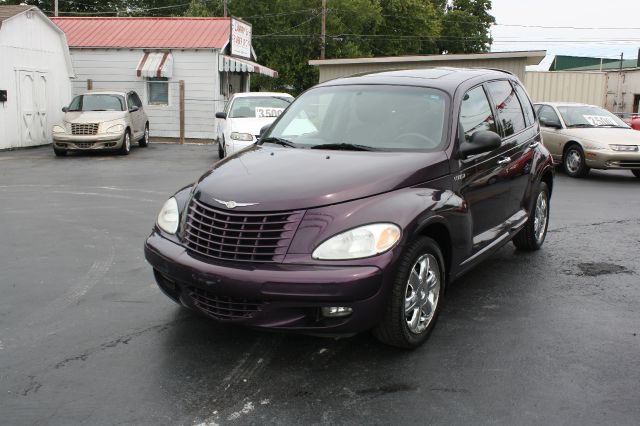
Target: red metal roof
pixel 159 33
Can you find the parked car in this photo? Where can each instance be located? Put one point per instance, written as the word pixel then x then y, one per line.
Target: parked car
pixel 243 117
pixel 360 205
pixel 581 137
pixel 102 120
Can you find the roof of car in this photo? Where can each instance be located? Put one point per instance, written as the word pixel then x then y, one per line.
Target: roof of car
pixel 557 104
pixel 252 94
pixel 107 92
pixel 443 77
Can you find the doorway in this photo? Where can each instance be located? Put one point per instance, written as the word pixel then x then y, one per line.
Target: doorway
pixel 32 92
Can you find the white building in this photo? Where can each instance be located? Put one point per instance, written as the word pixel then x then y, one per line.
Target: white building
pixel 152 56
pixel 35 68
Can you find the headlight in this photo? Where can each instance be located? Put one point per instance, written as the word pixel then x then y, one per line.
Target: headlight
pixel 59 129
pixel 117 128
pixel 357 243
pixel 624 147
pixel 169 216
pixel 242 136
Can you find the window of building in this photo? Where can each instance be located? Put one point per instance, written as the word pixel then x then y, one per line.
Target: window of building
pixel 158 91
pixel 507 106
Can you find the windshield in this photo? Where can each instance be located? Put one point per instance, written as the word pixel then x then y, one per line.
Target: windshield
pixel 589 116
pixel 97 103
pixel 258 107
pixel 376 117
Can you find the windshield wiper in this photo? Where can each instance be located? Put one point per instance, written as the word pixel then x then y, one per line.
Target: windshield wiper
pixel 580 125
pixel 615 126
pixel 343 147
pixel 278 141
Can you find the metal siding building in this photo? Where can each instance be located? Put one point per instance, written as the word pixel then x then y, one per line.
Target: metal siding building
pixel 514 62
pixel 35 70
pixel 564 86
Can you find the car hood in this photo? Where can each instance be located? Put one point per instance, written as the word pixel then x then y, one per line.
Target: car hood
pixel 279 178
pixel 81 117
pixel 250 125
pixel 604 136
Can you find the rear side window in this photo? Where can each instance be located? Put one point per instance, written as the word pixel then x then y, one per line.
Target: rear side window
pixel 526 104
pixel 507 106
pixel 475 113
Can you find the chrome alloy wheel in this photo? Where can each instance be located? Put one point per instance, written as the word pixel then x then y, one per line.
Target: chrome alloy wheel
pixel 541 216
pixel 573 161
pixel 422 293
pixel 146 135
pixel 127 142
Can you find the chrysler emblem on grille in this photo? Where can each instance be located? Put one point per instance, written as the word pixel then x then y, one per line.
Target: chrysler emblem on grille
pixel 233 204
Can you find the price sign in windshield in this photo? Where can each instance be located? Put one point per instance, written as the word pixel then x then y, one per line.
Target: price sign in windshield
pixel 599 120
pixel 268 112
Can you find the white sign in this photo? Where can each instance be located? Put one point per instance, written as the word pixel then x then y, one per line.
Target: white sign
pixel 599 120
pixel 240 38
pixel 268 112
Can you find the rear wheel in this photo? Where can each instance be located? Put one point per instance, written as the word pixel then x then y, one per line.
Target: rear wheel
pixel 145 137
pixel 221 150
pixel 415 298
pixel 534 232
pixel 636 173
pixel 574 163
pixel 125 149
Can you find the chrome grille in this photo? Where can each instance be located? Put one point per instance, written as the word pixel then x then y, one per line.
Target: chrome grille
pixel 84 128
pixel 222 307
pixel 242 236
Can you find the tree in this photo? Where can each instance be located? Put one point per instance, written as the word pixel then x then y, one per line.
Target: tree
pixel 466 27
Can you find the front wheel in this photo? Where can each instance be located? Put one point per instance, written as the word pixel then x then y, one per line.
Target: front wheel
pixel 636 173
pixel 125 149
pixel 415 298
pixel 574 163
pixel 221 150
pixel 534 232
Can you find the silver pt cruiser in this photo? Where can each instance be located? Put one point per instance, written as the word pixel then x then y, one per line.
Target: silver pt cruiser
pixel 102 120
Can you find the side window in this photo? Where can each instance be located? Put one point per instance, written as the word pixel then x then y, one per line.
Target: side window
pixel 546 113
pixel 130 101
pixel 526 104
pixel 475 113
pixel 136 99
pixel 507 107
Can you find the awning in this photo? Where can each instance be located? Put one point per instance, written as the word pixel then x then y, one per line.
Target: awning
pixel 227 63
pixel 155 65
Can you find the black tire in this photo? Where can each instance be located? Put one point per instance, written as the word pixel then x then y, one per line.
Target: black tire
pixel 636 173
pixel 531 237
pixel 221 148
pixel 394 329
pixel 60 152
pixel 145 137
pixel 125 148
pixel 573 162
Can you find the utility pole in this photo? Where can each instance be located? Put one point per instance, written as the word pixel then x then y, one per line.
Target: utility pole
pixel 323 35
pixel 226 8
pixel 620 99
pixel 55 8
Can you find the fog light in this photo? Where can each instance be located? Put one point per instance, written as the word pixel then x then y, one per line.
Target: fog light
pixel 336 311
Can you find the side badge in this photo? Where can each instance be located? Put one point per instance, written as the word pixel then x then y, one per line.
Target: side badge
pixel 459 177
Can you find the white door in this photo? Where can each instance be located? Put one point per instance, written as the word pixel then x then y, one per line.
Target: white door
pixel 32 90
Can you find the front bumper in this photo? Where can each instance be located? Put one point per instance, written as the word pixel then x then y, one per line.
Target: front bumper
pixel 87 142
pixel 609 159
pixel 271 296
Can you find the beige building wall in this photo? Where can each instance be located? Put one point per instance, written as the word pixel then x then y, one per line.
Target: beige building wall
pixel 561 86
pixel 332 71
pixel 623 92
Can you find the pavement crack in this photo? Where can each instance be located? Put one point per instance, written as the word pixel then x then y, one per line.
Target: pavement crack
pixel 32 387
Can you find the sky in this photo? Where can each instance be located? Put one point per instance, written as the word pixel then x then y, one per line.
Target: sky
pixel 612 27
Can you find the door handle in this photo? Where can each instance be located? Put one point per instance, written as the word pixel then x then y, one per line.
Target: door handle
pixel 533 144
pixel 504 160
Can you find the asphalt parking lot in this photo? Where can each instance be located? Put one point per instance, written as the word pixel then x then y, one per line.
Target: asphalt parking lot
pixel 86 337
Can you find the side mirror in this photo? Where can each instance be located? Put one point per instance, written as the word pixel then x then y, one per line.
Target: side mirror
pixel 65 109
pixel 481 141
pixel 221 115
pixel 550 123
pixel 263 130
pixel 133 109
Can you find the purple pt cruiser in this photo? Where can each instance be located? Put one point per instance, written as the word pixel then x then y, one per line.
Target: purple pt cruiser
pixel 360 205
